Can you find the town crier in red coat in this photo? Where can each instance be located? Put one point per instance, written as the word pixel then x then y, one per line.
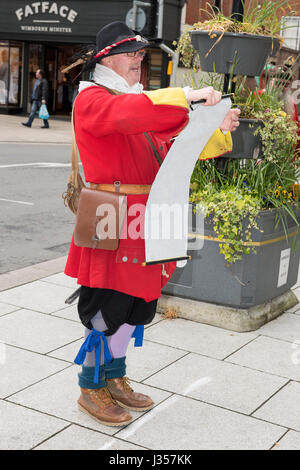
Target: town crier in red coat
pixel 122 134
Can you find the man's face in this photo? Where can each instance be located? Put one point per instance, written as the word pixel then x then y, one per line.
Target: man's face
pixel 37 74
pixel 128 67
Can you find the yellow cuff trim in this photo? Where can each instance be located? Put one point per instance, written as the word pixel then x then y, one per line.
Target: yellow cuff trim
pixel 170 96
pixel 217 145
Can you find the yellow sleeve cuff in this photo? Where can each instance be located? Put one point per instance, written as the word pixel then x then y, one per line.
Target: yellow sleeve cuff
pixel 217 145
pixel 170 96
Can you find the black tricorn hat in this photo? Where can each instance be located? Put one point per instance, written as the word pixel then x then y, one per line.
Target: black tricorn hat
pixel 114 38
pixel 117 38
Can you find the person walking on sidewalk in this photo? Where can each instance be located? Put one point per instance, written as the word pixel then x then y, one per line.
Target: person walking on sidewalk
pixel 120 131
pixel 39 96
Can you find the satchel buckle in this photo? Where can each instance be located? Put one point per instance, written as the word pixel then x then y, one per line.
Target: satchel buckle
pixel 117 185
pixel 95 238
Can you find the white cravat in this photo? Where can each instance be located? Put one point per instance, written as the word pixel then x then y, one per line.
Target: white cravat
pixel 109 78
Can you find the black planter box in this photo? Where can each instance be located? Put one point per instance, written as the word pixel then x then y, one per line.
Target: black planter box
pixel 245 54
pixel 244 143
pixel 254 280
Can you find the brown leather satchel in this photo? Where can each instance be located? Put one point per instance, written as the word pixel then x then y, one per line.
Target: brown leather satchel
pixel 100 217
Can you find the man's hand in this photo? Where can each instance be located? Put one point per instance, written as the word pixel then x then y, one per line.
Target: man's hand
pixel 231 121
pixel 211 96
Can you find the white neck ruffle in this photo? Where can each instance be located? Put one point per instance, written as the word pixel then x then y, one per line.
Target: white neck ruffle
pixel 109 78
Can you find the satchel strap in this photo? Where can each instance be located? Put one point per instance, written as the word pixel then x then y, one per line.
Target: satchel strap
pixel 154 149
pixel 75 164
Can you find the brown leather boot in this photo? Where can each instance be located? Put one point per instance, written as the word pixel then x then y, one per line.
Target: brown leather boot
pixel 125 397
pixel 99 404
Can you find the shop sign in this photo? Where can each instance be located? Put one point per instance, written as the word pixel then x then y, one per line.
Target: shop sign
pixel 74 20
pixel 49 17
pixel 59 18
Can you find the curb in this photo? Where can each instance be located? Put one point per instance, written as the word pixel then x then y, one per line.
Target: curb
pixel 32 142
pixel 32 273
pixel 230 318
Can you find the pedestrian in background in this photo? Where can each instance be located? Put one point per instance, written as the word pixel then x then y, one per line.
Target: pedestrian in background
pixel 39 96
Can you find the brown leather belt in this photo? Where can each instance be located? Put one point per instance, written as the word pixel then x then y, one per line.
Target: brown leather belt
pixel 123 188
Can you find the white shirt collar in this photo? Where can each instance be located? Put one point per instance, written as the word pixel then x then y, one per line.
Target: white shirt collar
pixel 109 78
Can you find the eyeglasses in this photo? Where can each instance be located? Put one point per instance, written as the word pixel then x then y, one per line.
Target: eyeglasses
pixel 141 53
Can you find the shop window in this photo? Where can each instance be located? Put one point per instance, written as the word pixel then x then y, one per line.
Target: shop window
pixel 14 62
pixel 4 57
pixel 67 83
pixel 291 31
pixel 10 73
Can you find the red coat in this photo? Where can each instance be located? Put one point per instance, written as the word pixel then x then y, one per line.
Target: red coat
pixel 112 147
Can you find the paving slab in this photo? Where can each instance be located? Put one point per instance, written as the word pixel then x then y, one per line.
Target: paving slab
pixel 291 441
pixel 25 428
pixel 199 338
pixel 40 296
pixel 58 395
pixel 69 313
pixel 78 438
pixel 67 353
pixel 62 280
pixel 217 382
pixel 36 331
pixel 20 369
pixel 31 273
pixel 298 280
pixel 5 308
pixel 188 424
pixel 157 318
pixel 294 309
pixel 270 355
pixel 286 327
pixel 283 408
pixel 297 293
pixel 149 359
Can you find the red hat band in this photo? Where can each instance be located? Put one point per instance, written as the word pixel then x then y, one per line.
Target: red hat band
pixel 107 49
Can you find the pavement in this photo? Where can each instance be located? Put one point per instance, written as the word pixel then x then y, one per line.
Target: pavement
pixel 214 389
pixel 11 130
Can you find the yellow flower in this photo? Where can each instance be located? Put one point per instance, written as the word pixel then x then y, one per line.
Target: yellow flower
pixel 240 205
pixel 282 113
pixel 276 193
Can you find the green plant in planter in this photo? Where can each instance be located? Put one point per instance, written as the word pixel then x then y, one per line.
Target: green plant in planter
pixel 234 197
pixel 260 18
pixel 227 210
pixel 278 135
